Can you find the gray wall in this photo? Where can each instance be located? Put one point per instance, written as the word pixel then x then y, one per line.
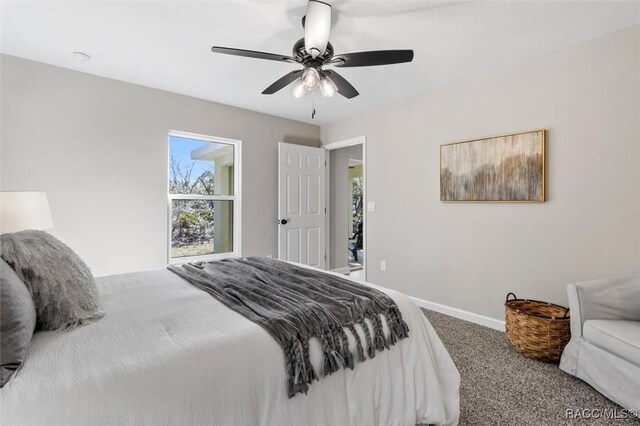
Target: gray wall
pixel 470 255
pixel 99 148
pixel 340 203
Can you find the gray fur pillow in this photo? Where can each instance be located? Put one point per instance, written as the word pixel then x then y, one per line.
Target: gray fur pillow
pixel 61 285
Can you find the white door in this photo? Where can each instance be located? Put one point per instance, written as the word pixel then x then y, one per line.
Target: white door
pixel 301 204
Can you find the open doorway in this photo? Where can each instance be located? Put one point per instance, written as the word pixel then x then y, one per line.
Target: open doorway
pixel 346 201
pixel 355 228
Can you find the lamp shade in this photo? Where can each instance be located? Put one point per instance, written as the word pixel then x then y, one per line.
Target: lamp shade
pixel 20 210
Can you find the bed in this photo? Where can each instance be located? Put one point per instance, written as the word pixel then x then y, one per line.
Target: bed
pixel 168 353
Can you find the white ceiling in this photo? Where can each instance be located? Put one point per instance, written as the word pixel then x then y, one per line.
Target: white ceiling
pixel 166 44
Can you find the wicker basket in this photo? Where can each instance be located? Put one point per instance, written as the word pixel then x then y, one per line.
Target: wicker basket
pixel 537 330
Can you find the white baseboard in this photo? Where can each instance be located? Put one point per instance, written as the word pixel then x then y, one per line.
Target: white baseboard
pixel 345 270
pixel 459 313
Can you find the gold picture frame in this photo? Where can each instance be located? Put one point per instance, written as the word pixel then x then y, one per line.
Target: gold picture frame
pixel 509 168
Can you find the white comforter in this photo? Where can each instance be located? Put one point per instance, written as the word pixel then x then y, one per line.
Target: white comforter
pixel 168 353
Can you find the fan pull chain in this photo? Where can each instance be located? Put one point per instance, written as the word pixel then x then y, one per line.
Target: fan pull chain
pixel 313 107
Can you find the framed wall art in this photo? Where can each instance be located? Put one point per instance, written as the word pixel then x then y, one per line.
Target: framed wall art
pixel 507 168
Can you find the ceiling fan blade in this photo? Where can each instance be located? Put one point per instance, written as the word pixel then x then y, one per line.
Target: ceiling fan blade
pixel 282 82
pixel 252 54
pixel 344 87
pixel 317 25
pixel 374 57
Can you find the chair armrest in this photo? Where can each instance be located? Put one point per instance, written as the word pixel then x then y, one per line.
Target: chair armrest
pixel 613 298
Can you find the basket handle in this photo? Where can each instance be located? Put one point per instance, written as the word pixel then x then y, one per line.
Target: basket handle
pixel 511 294
pixel 566 312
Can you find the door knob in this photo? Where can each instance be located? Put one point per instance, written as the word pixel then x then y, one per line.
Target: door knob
pixel 283 221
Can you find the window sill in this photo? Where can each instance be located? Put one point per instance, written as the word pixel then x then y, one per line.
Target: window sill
pixel 204 258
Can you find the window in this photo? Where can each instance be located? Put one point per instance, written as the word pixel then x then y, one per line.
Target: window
pixel 204 200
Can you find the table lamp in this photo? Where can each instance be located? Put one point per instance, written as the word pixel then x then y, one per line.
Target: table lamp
pixel 20 210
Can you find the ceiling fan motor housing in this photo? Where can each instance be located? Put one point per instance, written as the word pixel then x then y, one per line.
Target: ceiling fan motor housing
pixel 300 53
pixel 317 26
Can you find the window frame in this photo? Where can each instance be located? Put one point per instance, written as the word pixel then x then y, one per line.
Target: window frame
pixel 235 198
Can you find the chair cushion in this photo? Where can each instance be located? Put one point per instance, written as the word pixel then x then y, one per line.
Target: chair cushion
pixel 619 337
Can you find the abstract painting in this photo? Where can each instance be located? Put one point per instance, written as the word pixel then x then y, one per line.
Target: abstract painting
pixel 509 168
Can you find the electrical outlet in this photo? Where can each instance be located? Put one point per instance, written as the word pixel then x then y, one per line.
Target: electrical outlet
pixel 383 265
pixel 371 206
pixel 270 256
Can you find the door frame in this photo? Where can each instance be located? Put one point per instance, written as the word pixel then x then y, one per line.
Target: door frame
pixel 359 140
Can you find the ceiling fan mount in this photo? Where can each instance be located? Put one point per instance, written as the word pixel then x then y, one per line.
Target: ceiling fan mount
pixel 314 51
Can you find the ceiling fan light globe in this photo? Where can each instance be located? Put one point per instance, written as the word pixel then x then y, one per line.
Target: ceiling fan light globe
pixel 328 87
pixel 298 89
pixel 311 79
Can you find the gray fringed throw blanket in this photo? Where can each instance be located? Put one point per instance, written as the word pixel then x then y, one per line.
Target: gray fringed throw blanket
pixel 295 304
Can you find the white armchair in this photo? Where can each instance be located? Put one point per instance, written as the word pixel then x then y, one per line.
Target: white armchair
pixel 604 350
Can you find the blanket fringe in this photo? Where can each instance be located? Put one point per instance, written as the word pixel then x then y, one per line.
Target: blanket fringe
pixel 335 346
pixel 311 372
pixel 371 349
pixel 345 352
pixel 359 350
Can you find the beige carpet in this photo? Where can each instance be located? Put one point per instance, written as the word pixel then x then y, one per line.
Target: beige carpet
pixel 501 387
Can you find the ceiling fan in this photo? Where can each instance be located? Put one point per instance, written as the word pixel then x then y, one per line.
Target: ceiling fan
pixel 314 51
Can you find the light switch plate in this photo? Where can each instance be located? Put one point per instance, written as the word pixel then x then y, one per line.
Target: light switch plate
pixel 383 265
pixel 371 206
